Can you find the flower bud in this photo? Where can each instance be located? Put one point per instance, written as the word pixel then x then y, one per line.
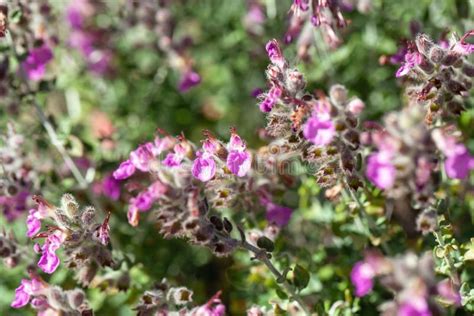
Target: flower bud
pixel 427 221
pixel 216 222
pixel 338 94
pixel 436 54
pixel 450 59
pixel 294 81
pixel 468 70
pixel 75 298
pixel 57 298
pixel 88 216
pixel 423 44
pixel 355 106
pixel 265 243
pixel 69 205
pixel 180 296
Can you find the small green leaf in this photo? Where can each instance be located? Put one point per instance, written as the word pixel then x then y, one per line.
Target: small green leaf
pixel 265 243
pixel 281 294
pixel 300 277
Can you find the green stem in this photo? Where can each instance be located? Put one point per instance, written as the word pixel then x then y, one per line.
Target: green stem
pixel 261 255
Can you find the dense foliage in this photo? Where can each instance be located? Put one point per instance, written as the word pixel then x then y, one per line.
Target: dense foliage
pixel 259 157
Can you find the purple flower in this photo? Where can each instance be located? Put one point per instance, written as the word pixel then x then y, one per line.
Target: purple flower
pixel 124 171
pixel 49 261
pixel 462 47
pixel 448 292
pixel 33 223
pixel 301 4
pixel 174 159
pixel 239 162
pixel 143 201
pixel 188 80
pixel 35 64
pixel 111 187
pixel 319 129
pixel 274 53
pixel 277 214
pixel 239 159
pixel 271 99
pixel 380 170
pixel 213 307
pixel 141 156
pixel 411 61
pixel 74 17
pixel 24 292
pixel 415 307
pixel 362 278
pixel 459 163
pixel 204 167
pixel 21 296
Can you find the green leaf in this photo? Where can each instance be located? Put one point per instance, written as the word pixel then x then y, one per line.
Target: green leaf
pixel 265 243
pixel 300 277
pixel 281 294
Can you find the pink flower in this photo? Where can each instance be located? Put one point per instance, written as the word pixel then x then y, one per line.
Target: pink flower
pixel 24 292
pixel 213 307
pixel 271 99
pixel 143 201
pixel 22 297
pixel 355 106
pixel 463 47
pixel 411 61
pixel 33 223
pixel 111 187
pixel 204 167
pixel 380 170
pixel 124 171
pixel 459 163
pixel 174 159
pixel 277 214
pixel 188 80
pixel 49 261
pixel 319 129
pixel 103 233
pixel 141 157
pixel 417 306
pixel 35 64
pixel 274 53
pixel 239 159
pixel 362 278
pixel 447 291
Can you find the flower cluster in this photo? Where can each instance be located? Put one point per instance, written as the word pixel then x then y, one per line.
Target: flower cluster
pixel 188 181
pixel 323 131
pixel 323 14
pixel 18 175
pixel 91 40
pixel 164 300
pixel 76 231
pixel 439 76
pixel 47 299
pixel 410 278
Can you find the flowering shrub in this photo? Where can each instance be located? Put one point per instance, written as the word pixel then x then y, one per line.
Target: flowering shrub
pixel 145 169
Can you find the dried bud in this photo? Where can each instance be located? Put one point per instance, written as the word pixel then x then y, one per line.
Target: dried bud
pixel 69 205
pixel 468 70
pixel 180 296
pixel 88 216
pixel 450 59
pixel 436 54
pixel 216 222
pixel 338 94
pixel 265 243
pixel 427 221
pixel 75 298
pixel 227 225
pixel 295 81
pixel 423 44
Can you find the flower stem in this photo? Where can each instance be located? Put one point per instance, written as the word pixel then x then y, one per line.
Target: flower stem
pixel 262 256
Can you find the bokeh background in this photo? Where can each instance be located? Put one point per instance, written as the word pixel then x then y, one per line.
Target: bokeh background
pixel 140 94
